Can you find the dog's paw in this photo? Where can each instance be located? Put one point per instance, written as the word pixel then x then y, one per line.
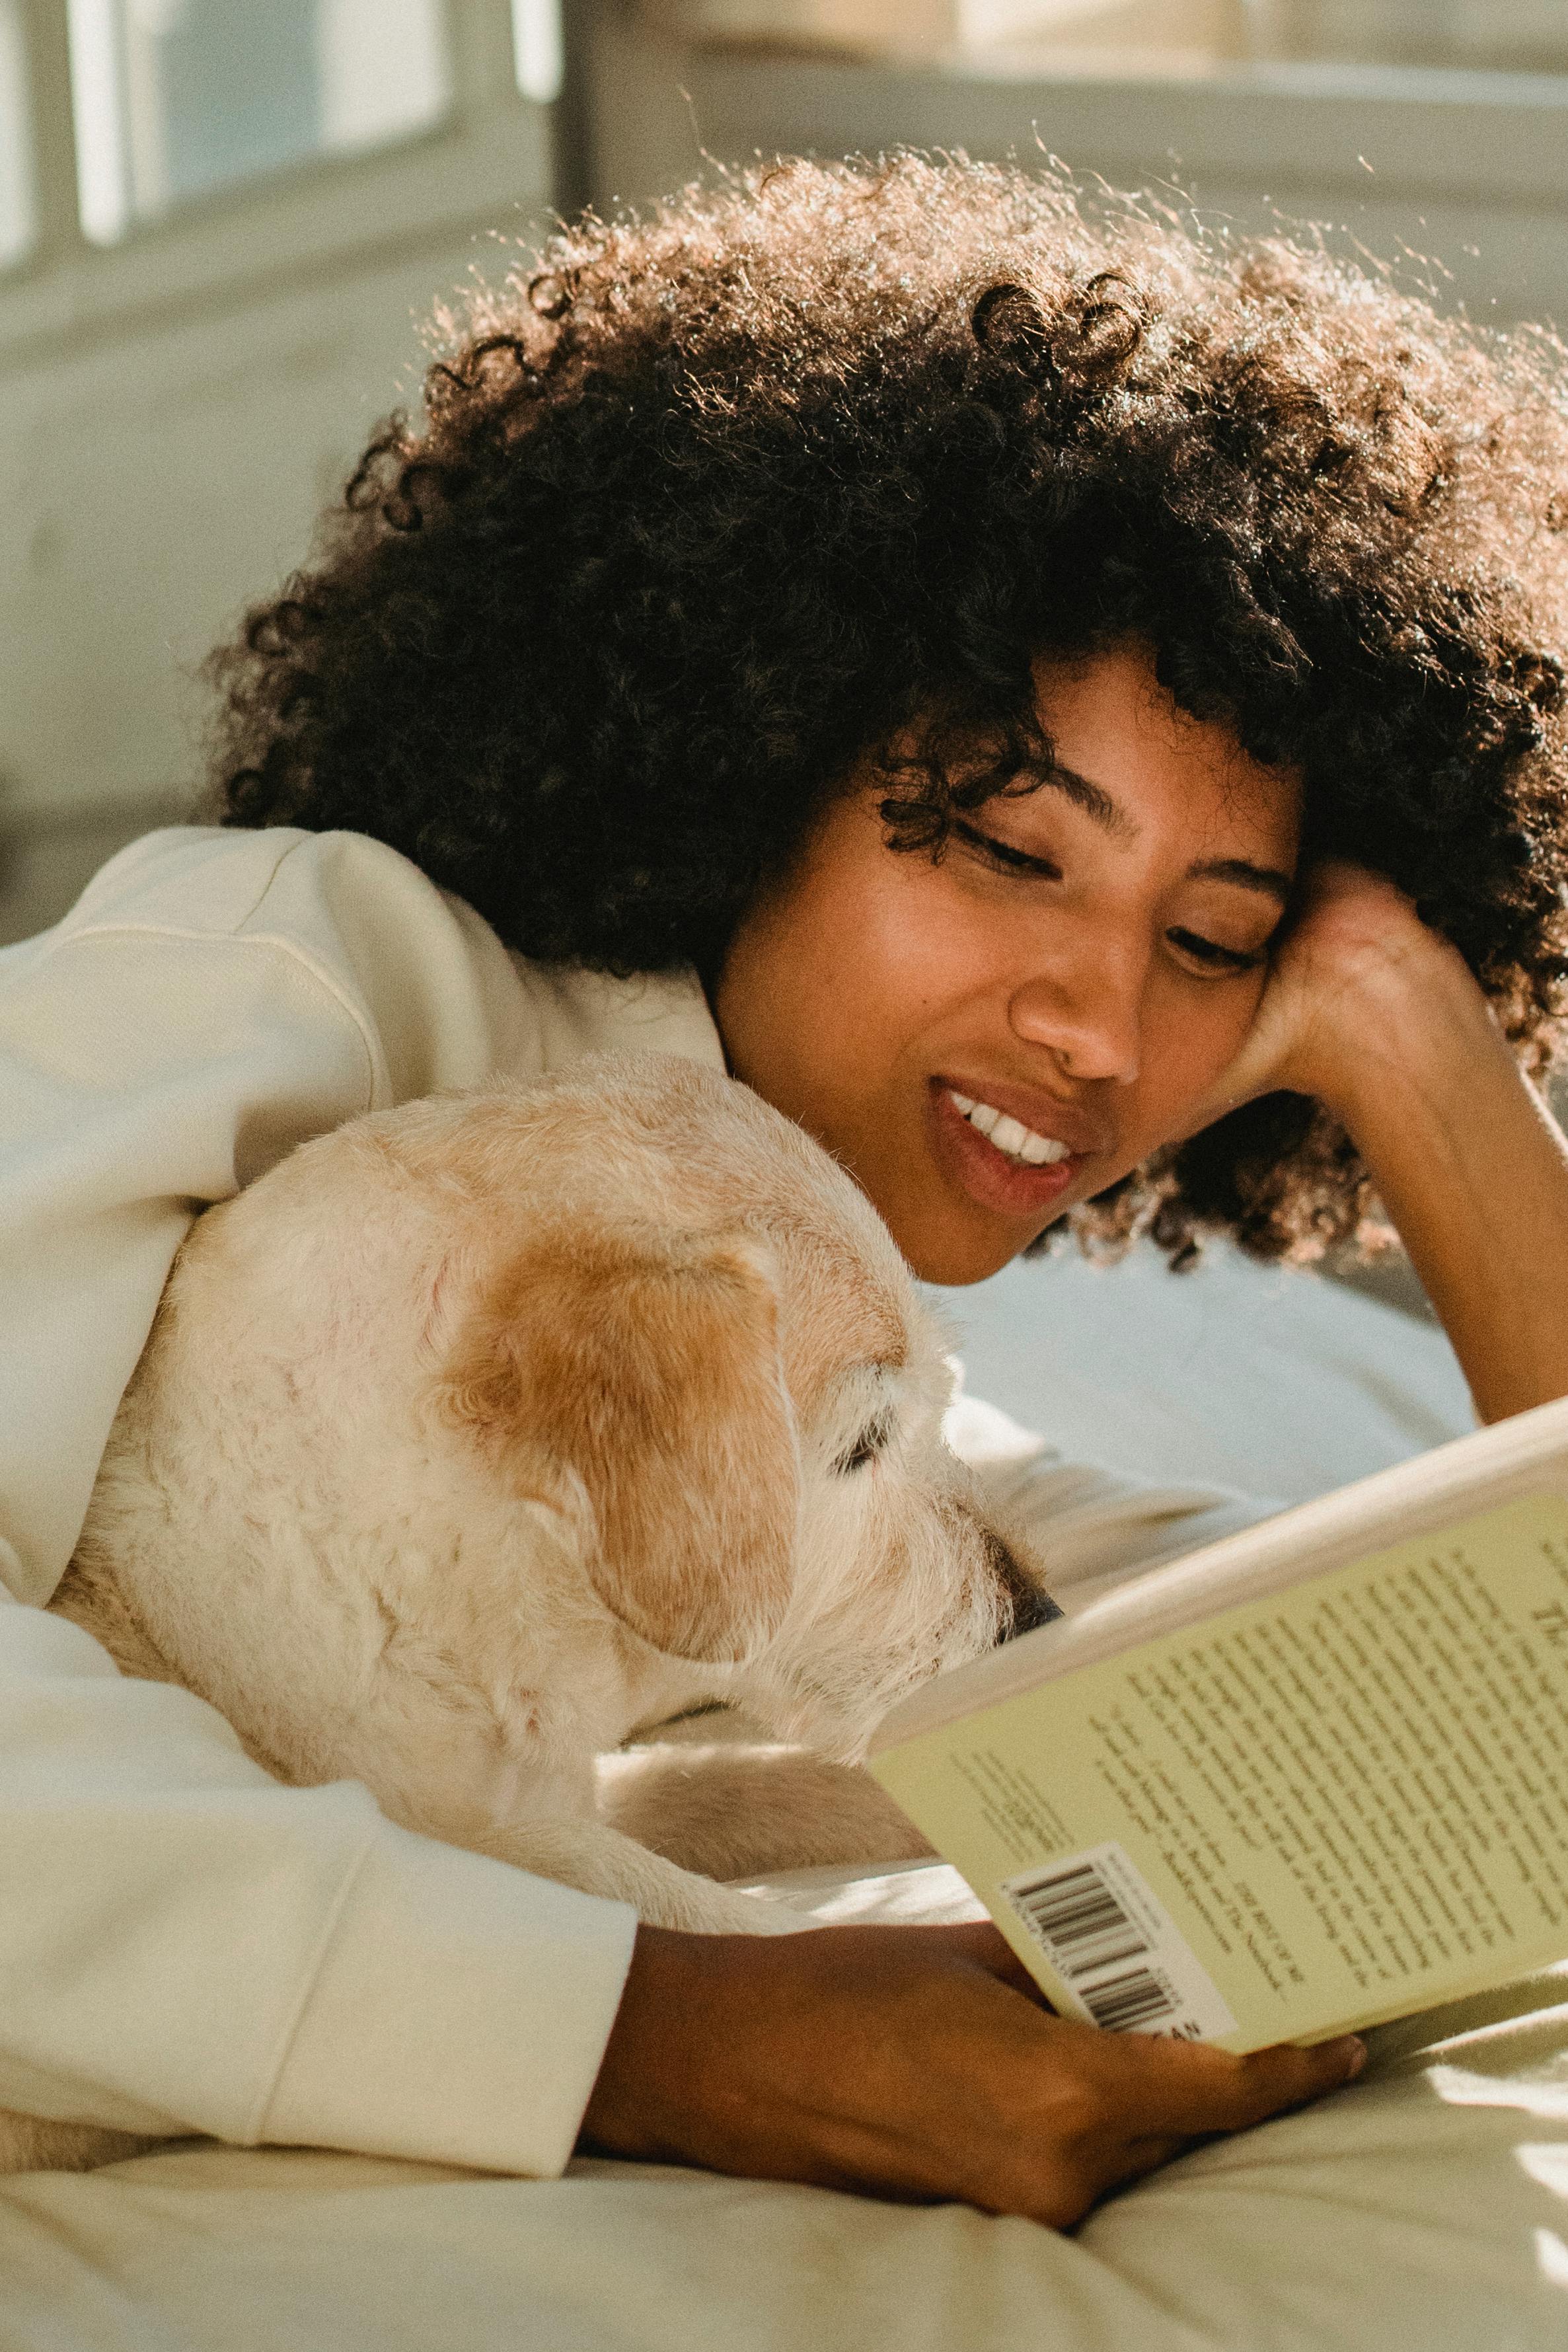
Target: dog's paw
pixel 599 1860
pixel 747 1810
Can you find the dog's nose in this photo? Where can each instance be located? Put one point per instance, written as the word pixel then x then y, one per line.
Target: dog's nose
pixel 1031 1605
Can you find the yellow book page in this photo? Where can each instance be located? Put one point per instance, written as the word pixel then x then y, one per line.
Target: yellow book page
pixel 1339 1804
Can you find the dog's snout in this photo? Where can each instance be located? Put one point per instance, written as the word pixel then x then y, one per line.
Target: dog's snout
pixel 1030 1602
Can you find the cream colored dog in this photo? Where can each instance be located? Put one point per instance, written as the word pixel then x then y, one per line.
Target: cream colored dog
pixel 480 1437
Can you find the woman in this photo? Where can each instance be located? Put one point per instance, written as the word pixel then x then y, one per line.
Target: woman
pixel 1074 718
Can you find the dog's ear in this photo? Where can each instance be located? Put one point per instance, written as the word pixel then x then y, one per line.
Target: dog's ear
pixel 650 1368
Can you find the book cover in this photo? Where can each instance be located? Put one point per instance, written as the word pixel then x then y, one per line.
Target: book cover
pixel 1325 1806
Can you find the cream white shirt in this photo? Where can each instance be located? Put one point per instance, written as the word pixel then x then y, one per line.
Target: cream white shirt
pixel 185 1944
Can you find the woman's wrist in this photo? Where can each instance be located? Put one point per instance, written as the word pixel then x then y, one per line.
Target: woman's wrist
pixel 1379 1017
pixel 1472 1168
pixel 1418 1046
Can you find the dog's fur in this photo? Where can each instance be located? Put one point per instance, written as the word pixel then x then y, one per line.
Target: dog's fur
pixel 480 1437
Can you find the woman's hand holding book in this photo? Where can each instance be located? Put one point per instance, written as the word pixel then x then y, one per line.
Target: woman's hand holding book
pixel 914 2062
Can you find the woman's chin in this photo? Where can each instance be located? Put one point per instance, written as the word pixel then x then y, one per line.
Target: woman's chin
pixel 955 1260
pixel 962 1220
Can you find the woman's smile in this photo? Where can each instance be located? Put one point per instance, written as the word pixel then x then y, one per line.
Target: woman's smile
pixel 1011 1153
pixel 988 1037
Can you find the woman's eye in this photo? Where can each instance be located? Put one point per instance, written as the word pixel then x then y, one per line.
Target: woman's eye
pixel 1003 858
pixel 1215 958
pixel 1003 855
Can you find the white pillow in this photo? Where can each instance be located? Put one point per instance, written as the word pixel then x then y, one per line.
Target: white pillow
pixel 1262 1378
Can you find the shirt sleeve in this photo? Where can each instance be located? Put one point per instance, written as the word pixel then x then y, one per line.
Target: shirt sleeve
pixel 186 1945
pixel 214 1000
pixel 1092 1526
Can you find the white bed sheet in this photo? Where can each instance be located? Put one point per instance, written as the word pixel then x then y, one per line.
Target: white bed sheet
pixel 1267 1379
pixel 1424 2209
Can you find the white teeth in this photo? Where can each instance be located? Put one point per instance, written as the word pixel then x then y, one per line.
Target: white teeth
pixel 1009 1136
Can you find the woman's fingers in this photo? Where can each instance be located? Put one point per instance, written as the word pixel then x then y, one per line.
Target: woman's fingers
pixel 981 1941
pixel 1286 2076
pixel 1191 2089
pixel 1149 2099
pixel 1233 2092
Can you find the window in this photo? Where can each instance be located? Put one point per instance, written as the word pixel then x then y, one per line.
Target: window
pixel 1150 36
pixel 17 222
pixel 1192 34
pixel 176 97
pixel 1509 35
pixel 536 49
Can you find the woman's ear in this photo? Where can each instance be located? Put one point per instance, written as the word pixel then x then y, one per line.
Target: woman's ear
pixel 650 1367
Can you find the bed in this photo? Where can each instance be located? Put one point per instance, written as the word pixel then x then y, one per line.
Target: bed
pixel 1424 2209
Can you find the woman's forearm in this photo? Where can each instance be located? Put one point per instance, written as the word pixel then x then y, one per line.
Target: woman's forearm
pixel 1473 1170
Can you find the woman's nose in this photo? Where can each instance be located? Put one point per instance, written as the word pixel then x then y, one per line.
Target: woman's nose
pixel 1088 1012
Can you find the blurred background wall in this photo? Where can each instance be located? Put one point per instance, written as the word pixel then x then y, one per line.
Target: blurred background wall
pixel 221 221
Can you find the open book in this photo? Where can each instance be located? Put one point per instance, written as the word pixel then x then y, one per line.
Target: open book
pixel 1308 1779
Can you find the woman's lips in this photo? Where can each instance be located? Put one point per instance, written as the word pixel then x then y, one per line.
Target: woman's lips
pixel 1008 1188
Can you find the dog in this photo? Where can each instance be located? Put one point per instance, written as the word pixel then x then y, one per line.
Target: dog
pixel 480 1439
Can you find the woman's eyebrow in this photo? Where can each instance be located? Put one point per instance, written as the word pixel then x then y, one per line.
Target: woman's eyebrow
pixel 1092 798
pixel 1244 875
pixel 1098 806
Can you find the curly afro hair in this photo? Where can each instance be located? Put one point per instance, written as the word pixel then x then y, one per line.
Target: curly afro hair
pixel 706 509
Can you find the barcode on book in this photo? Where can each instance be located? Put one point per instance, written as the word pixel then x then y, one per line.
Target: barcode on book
pixel 1124 1962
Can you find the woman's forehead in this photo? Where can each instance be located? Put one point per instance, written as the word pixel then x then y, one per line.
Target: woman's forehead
pixel 1127 757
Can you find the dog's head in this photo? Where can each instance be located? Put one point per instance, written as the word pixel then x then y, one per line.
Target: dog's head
pixel 692 1314
pixel 638 1312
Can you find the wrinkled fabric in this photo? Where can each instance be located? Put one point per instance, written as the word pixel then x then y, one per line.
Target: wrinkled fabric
pixel 1423 2209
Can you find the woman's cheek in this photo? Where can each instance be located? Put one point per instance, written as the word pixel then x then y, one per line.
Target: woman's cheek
pixel 1199 1047
pixel 1231 1025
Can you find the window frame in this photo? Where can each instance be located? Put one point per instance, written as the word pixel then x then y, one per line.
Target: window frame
pixel 1390 164
pixel 1291 125
pixel 496 158
pixel 489 159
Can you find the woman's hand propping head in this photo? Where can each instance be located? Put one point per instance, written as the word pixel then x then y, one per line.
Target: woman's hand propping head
pixel 1356 975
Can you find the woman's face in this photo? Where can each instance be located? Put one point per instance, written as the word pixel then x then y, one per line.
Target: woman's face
pixel 986 1041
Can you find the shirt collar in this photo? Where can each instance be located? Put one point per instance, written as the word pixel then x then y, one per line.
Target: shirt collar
pixel 580 1012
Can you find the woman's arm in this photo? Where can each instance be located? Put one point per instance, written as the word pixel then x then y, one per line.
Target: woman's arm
pixel 186 1945
pixel 1380 1019
pixel 917 2062
pixel 1473 1170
